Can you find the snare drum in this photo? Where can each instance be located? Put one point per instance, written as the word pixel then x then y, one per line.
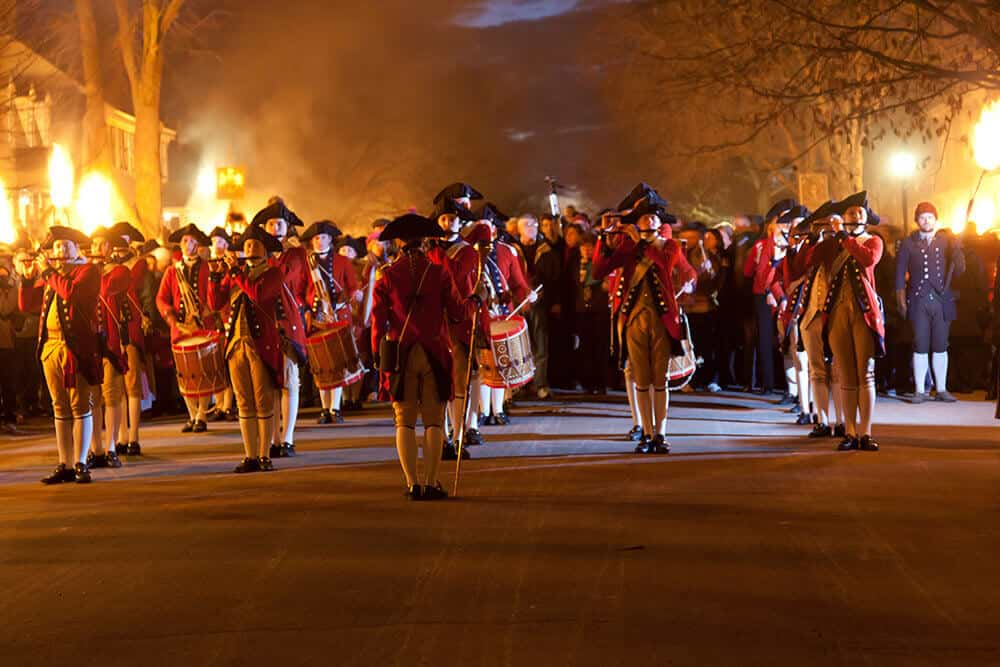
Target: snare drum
pixel 682 368
pixel 334 358
pixel 508 363
pixel 200 361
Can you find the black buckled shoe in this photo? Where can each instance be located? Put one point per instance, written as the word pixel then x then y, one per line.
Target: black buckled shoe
pixel 264 464
pixel 200 426
pixel 821 431
pixel 216 416
pixel 80 473
pixel 247 465
pixel 449 453
pixel 59 475
pixel 465 454
pixel 435 492
pixel 134 449
pixel 866 444
pixel 188 426
pixel 473 438
pixel 337 417
pixel 787 399
pixel 413 493
pixel 274 451
pixel 486 420
pixel 324 418
pixel 659 445
pixel 847 444
pixel 231 415
pixel 642 447
pixel 287 450
pixel 635 435
pixel 121 449
pixel 795 409
pixel 803 419
pixel 501 419
pixel 840 431
pixel 111 460
pixel 96 460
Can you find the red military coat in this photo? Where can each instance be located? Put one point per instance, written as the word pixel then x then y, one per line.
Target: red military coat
pixel 852 262
pixel 272 314
pixel 115 283
pixel 759 266
pixel 134 307
pixel 666 259
pixel 509 264
pixel 462 262
pixel 168 298
pixel 75 294
pixel 438 303
pixel 341 284
pixel 294 267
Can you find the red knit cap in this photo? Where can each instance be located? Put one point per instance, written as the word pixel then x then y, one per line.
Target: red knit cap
pixel 925 207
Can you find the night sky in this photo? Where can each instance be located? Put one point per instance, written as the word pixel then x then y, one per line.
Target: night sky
pixel 356 112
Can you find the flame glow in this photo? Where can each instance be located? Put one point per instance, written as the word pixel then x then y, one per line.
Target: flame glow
pixel 60 177
pixel 7 232
pixel 983 215
pixel 203 209
pixel 986 137
pixel 94 203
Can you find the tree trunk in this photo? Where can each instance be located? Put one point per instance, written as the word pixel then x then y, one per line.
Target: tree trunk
pixel 148 177
pixel 96 154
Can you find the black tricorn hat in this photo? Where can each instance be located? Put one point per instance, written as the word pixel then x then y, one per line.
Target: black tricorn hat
pixel 494 215
pixel 449 207
pixel 379 223
pixel 857 199
pixel 457 191
pixel 825 210
pixel 258 233
pixel 126 229
pixel 60 233
pixel 780 207
pixel 640 192
pixel 222 234
pixel 652 204
pixel 789 216
pixel 188 230
pixel 149 246
pixel 109 235
pixel 277 210
pixel 321 227
pixel 411 226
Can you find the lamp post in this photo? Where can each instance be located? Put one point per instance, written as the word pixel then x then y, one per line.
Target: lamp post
pixel 903 165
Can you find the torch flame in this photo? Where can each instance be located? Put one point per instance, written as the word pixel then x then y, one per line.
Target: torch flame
pixel 7 232
pixel 94 203
pixel 986 137
pixel 60 177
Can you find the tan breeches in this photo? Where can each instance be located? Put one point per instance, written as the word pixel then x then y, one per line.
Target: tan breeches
pixel 133 376
pixel 421 394
pixel 252 383
pixel 853 348
pixel 648 350
pixel 113 387
pixel 67 402
pixel 812 340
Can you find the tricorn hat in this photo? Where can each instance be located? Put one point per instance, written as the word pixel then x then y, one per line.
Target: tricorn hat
pixel 640 192
pixel 109 235
pixel 222 234
pixel 258 233
pixel 780 207
pixel 449 207
pixel 277 210
pixel 457 191
pixel 789 216
pixel 411 226
pixel 60 233
pixel 188 230
pixel 129 231
pixel 494 215
pixel 857 199
pixel 649 205
pixel 321 227
pixel 824 210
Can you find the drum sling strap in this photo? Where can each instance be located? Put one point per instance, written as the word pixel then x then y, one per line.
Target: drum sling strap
pixel 389 349
pixel 191 306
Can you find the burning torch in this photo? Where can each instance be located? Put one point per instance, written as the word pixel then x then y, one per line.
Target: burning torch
pixel 985 148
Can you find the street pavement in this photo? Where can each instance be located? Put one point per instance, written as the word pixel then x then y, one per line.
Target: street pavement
pixel 749 545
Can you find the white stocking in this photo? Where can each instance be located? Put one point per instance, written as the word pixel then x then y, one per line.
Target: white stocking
pixel 644 406
pixel 83 431
pixel 850 399
pixel 290 411
pixel 264 426
pixel 64 440
pixel 661 401
pixel 250 435
pixel 97 440
pixel 484 400
pixel 406 448
pixel 940 362
pixel 338 398
pixel 326 398
pixel 920 372
pixel 836 391
pixel 630 392
pixel 498 395
pixel 134 416
pixel 433 444
pixel 112 420
pixel 821 399
pixel 802 379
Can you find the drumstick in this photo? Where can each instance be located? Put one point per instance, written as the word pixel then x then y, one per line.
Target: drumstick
pixel 521 305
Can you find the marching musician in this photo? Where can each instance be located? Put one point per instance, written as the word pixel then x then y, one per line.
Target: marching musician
pixel 332 288
pixel 138 307
pixel 855 325
pixel 414 301
pixel 458 193
pixel 647 313
pixel 183 303
pixel 107 397
pixel 790 311
pixel 255 349
pixel 68 288
pixel 507 289
pixel 462 261
pixel 276 219
pixel 219 243
pixel 811 299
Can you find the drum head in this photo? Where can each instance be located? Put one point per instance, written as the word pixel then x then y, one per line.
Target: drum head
pixel 506 328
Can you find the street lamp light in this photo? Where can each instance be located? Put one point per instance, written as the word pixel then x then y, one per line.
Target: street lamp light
pixel 903 166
